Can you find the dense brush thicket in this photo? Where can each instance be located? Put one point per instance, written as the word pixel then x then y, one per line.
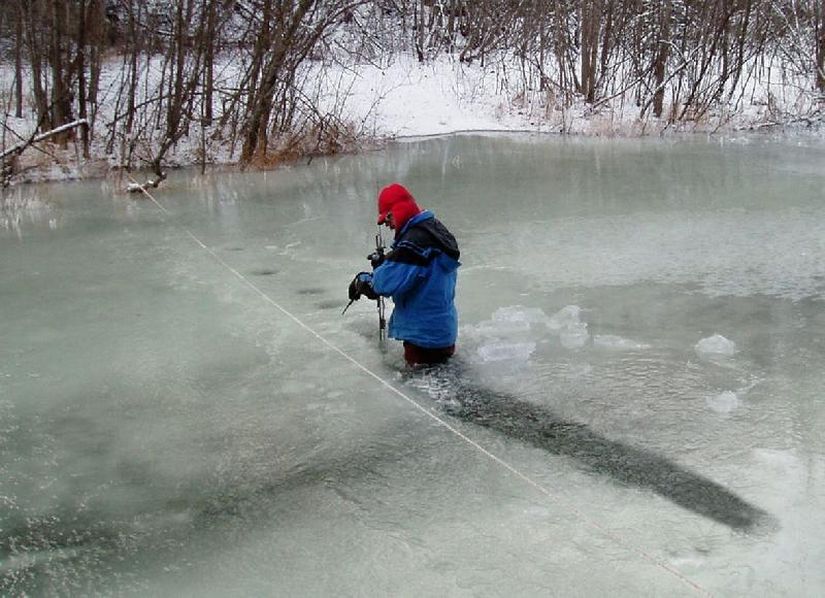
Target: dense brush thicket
pixel 234 70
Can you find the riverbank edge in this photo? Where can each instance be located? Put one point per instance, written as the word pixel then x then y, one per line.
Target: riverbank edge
pixel 46 163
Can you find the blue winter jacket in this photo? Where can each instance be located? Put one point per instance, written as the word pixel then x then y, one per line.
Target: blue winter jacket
pixel 420 274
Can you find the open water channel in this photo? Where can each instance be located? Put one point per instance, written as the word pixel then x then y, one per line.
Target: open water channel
pixel 636 407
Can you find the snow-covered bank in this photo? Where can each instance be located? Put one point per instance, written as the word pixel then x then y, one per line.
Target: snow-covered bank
pixel 408 98
pixel 402 97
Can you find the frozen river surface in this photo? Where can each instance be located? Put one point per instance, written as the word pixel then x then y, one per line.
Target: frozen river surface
pixel 636 408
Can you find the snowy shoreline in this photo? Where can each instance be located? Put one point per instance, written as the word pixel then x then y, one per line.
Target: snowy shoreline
pixel 99 168
pixel 404 100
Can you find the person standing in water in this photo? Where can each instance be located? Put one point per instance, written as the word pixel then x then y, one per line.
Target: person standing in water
pixel 419 273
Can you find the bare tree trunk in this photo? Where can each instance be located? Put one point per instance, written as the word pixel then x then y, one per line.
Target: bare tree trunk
pixel 185 73
pixel 209 61
pixel 287 26
pixel 18 62
pixel 175 104
pixel 80 63
pixel 32 18
pixel 607 39
pixel 134 47
pixel 61 92
pixel 662 54
pixel 591 13
pixel 419 30
pixel 742 39
pixel 567 70
pixel 708 55
pixel 262 43
pixel 820 45
pixel 97 42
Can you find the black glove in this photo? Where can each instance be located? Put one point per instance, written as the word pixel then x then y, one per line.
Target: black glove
pixel 362 285
pixel 354 293
pixel 376 258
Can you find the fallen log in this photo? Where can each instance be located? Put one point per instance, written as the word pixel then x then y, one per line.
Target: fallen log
pixel 18 149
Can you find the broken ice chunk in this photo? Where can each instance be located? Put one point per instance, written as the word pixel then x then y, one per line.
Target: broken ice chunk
pixel 715 346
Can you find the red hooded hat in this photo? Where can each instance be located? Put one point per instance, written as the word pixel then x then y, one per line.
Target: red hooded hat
pixel 395 199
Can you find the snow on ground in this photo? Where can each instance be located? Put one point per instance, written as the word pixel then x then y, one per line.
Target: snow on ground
pixel 407 98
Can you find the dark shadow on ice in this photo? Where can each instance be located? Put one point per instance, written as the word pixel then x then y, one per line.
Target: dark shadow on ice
pixel 311 291
pixel 331 304
pixel 539 427
pixel 263 272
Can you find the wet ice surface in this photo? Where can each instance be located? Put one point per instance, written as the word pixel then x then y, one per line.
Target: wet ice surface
pixel 641 342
